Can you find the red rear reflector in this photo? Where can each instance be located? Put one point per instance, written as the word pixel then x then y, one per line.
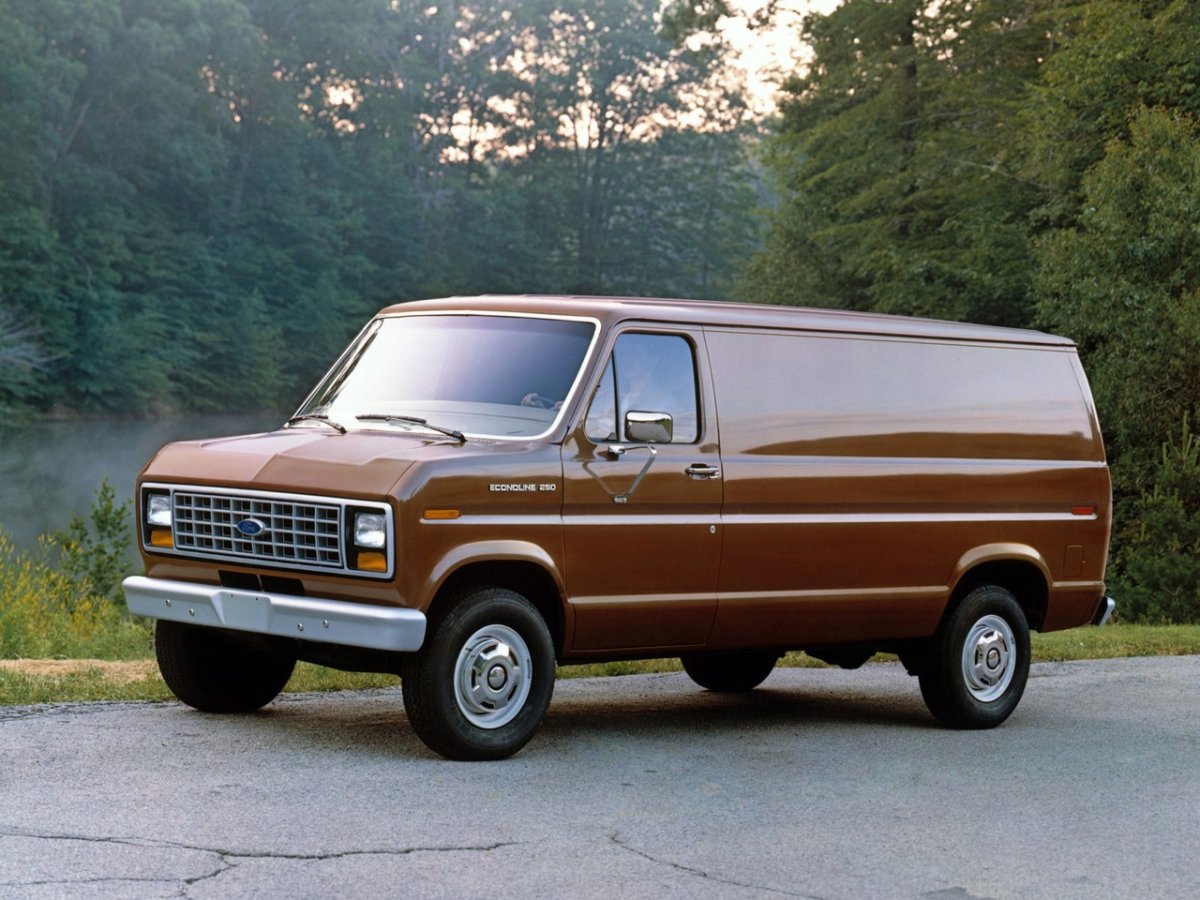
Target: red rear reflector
pixel 1083 510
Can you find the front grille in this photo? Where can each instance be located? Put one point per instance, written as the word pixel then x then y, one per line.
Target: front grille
pixel 293 532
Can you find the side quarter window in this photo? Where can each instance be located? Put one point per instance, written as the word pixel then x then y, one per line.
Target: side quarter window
pixel 647 373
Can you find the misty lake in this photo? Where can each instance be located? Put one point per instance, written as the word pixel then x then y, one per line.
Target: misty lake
pixel 50 470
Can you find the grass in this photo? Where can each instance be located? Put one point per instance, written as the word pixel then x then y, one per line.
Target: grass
pixel 25 682
pixel 28 682
pixel 1117 641
pixel 19 688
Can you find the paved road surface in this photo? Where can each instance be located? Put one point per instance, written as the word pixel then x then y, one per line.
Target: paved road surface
pixel 822 784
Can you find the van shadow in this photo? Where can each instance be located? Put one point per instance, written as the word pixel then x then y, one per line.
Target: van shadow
pixel 373 723
pixel 761 710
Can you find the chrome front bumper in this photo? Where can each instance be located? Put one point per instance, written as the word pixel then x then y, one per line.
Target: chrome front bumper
pixel 307 618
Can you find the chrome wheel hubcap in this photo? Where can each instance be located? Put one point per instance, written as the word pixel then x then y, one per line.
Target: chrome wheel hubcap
pixel 492 676
pixel 989 658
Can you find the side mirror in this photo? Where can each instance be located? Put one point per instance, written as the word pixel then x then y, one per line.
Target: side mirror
pixel 648 427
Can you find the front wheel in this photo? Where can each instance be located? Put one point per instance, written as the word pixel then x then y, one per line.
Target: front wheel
pixel 730 671
pixel 480 686
pixel 214 670
pixel 978 663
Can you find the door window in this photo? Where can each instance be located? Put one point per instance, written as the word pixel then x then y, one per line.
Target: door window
pixel 647 373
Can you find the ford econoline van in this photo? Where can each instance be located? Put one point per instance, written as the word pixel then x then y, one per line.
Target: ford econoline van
pixel 482 488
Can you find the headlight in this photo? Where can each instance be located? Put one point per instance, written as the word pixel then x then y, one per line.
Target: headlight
pixel 158 510
pixel 158 520
pixel 370 530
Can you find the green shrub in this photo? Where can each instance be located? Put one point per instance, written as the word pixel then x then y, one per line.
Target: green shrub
pixel 95 550
pixel 47 611
pixel 1158 562
pixel 64 599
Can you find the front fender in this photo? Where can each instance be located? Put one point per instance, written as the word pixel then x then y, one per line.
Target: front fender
pixel 490 552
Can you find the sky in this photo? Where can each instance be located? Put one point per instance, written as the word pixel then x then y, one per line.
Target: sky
pixel 767 55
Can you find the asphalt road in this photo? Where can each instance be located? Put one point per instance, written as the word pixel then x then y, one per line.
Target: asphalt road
pixel 822 783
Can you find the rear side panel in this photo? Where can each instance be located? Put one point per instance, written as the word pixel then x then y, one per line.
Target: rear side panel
pixel 861 471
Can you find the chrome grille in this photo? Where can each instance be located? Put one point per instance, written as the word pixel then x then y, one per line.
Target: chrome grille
pixel 294 531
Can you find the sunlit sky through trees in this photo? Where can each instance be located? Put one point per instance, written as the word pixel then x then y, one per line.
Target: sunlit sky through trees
pixel 768 54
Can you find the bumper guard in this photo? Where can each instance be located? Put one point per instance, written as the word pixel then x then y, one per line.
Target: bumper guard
pixel 1104 610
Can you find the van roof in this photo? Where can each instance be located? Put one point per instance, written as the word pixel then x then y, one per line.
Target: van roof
pixel 714 313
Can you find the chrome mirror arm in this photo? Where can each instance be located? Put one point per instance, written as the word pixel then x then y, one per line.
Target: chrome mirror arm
pixel 619 450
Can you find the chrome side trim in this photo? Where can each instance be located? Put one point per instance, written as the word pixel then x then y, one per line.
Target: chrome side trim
pixel 1104 611
pixel 306 618
pixel 920 592
pixel 914 518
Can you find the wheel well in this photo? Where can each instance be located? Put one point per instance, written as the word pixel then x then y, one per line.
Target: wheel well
pixel 1023 579
pixel 527 579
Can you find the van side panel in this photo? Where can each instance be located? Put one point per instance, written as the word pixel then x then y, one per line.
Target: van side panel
pixel 860 470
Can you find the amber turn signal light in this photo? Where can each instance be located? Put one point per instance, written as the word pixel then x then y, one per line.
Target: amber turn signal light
pixel 371 562
pixel 161 537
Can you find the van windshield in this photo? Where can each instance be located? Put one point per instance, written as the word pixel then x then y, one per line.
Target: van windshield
pixel 483 375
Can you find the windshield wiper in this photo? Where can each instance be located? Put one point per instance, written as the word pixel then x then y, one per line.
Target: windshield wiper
pixel 316 417
pixel 413 420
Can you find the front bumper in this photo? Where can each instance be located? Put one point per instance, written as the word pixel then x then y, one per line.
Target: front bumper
pixel 306 618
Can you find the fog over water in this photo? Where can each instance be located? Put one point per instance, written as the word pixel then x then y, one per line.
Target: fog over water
pixel 50 470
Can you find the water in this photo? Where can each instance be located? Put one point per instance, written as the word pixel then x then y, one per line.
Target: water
pixel 50 471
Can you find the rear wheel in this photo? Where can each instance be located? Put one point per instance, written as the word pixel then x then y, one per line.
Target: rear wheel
pixel 978 663
pixel 214 670
pixel 480 686
pixel 731 671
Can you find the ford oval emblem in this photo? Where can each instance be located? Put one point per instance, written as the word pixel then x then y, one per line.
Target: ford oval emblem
pixel 251 527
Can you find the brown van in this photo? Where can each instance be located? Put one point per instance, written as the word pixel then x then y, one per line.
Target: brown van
pixel 483 487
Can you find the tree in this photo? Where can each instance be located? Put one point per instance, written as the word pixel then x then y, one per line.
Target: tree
pixel 202 199
pixel 1158 569
pixel 1018 163
pixel 900 190
pixel 681 215
pixel 842 161
pixel 22 359
pixel 1109 58
pixel 1126 285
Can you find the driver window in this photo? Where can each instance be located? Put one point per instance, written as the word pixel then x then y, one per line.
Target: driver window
pixel 648 373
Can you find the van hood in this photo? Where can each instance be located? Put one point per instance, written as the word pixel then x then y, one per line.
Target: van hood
pixel 360 463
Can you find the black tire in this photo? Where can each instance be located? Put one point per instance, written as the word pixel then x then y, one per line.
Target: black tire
pixel 480 686
pixel 978 663
pixel 732 671
pixel 219 671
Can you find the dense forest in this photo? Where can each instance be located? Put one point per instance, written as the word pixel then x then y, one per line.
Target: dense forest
pixel 201 199
pixel 1029 163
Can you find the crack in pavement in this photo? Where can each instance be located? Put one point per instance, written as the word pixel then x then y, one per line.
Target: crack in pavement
pixel 616 838
pixel 227 858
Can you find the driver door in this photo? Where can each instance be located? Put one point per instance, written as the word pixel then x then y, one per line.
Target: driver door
pixel 642 499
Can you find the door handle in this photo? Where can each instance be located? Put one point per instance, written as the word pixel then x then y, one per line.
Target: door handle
pixel 701 471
